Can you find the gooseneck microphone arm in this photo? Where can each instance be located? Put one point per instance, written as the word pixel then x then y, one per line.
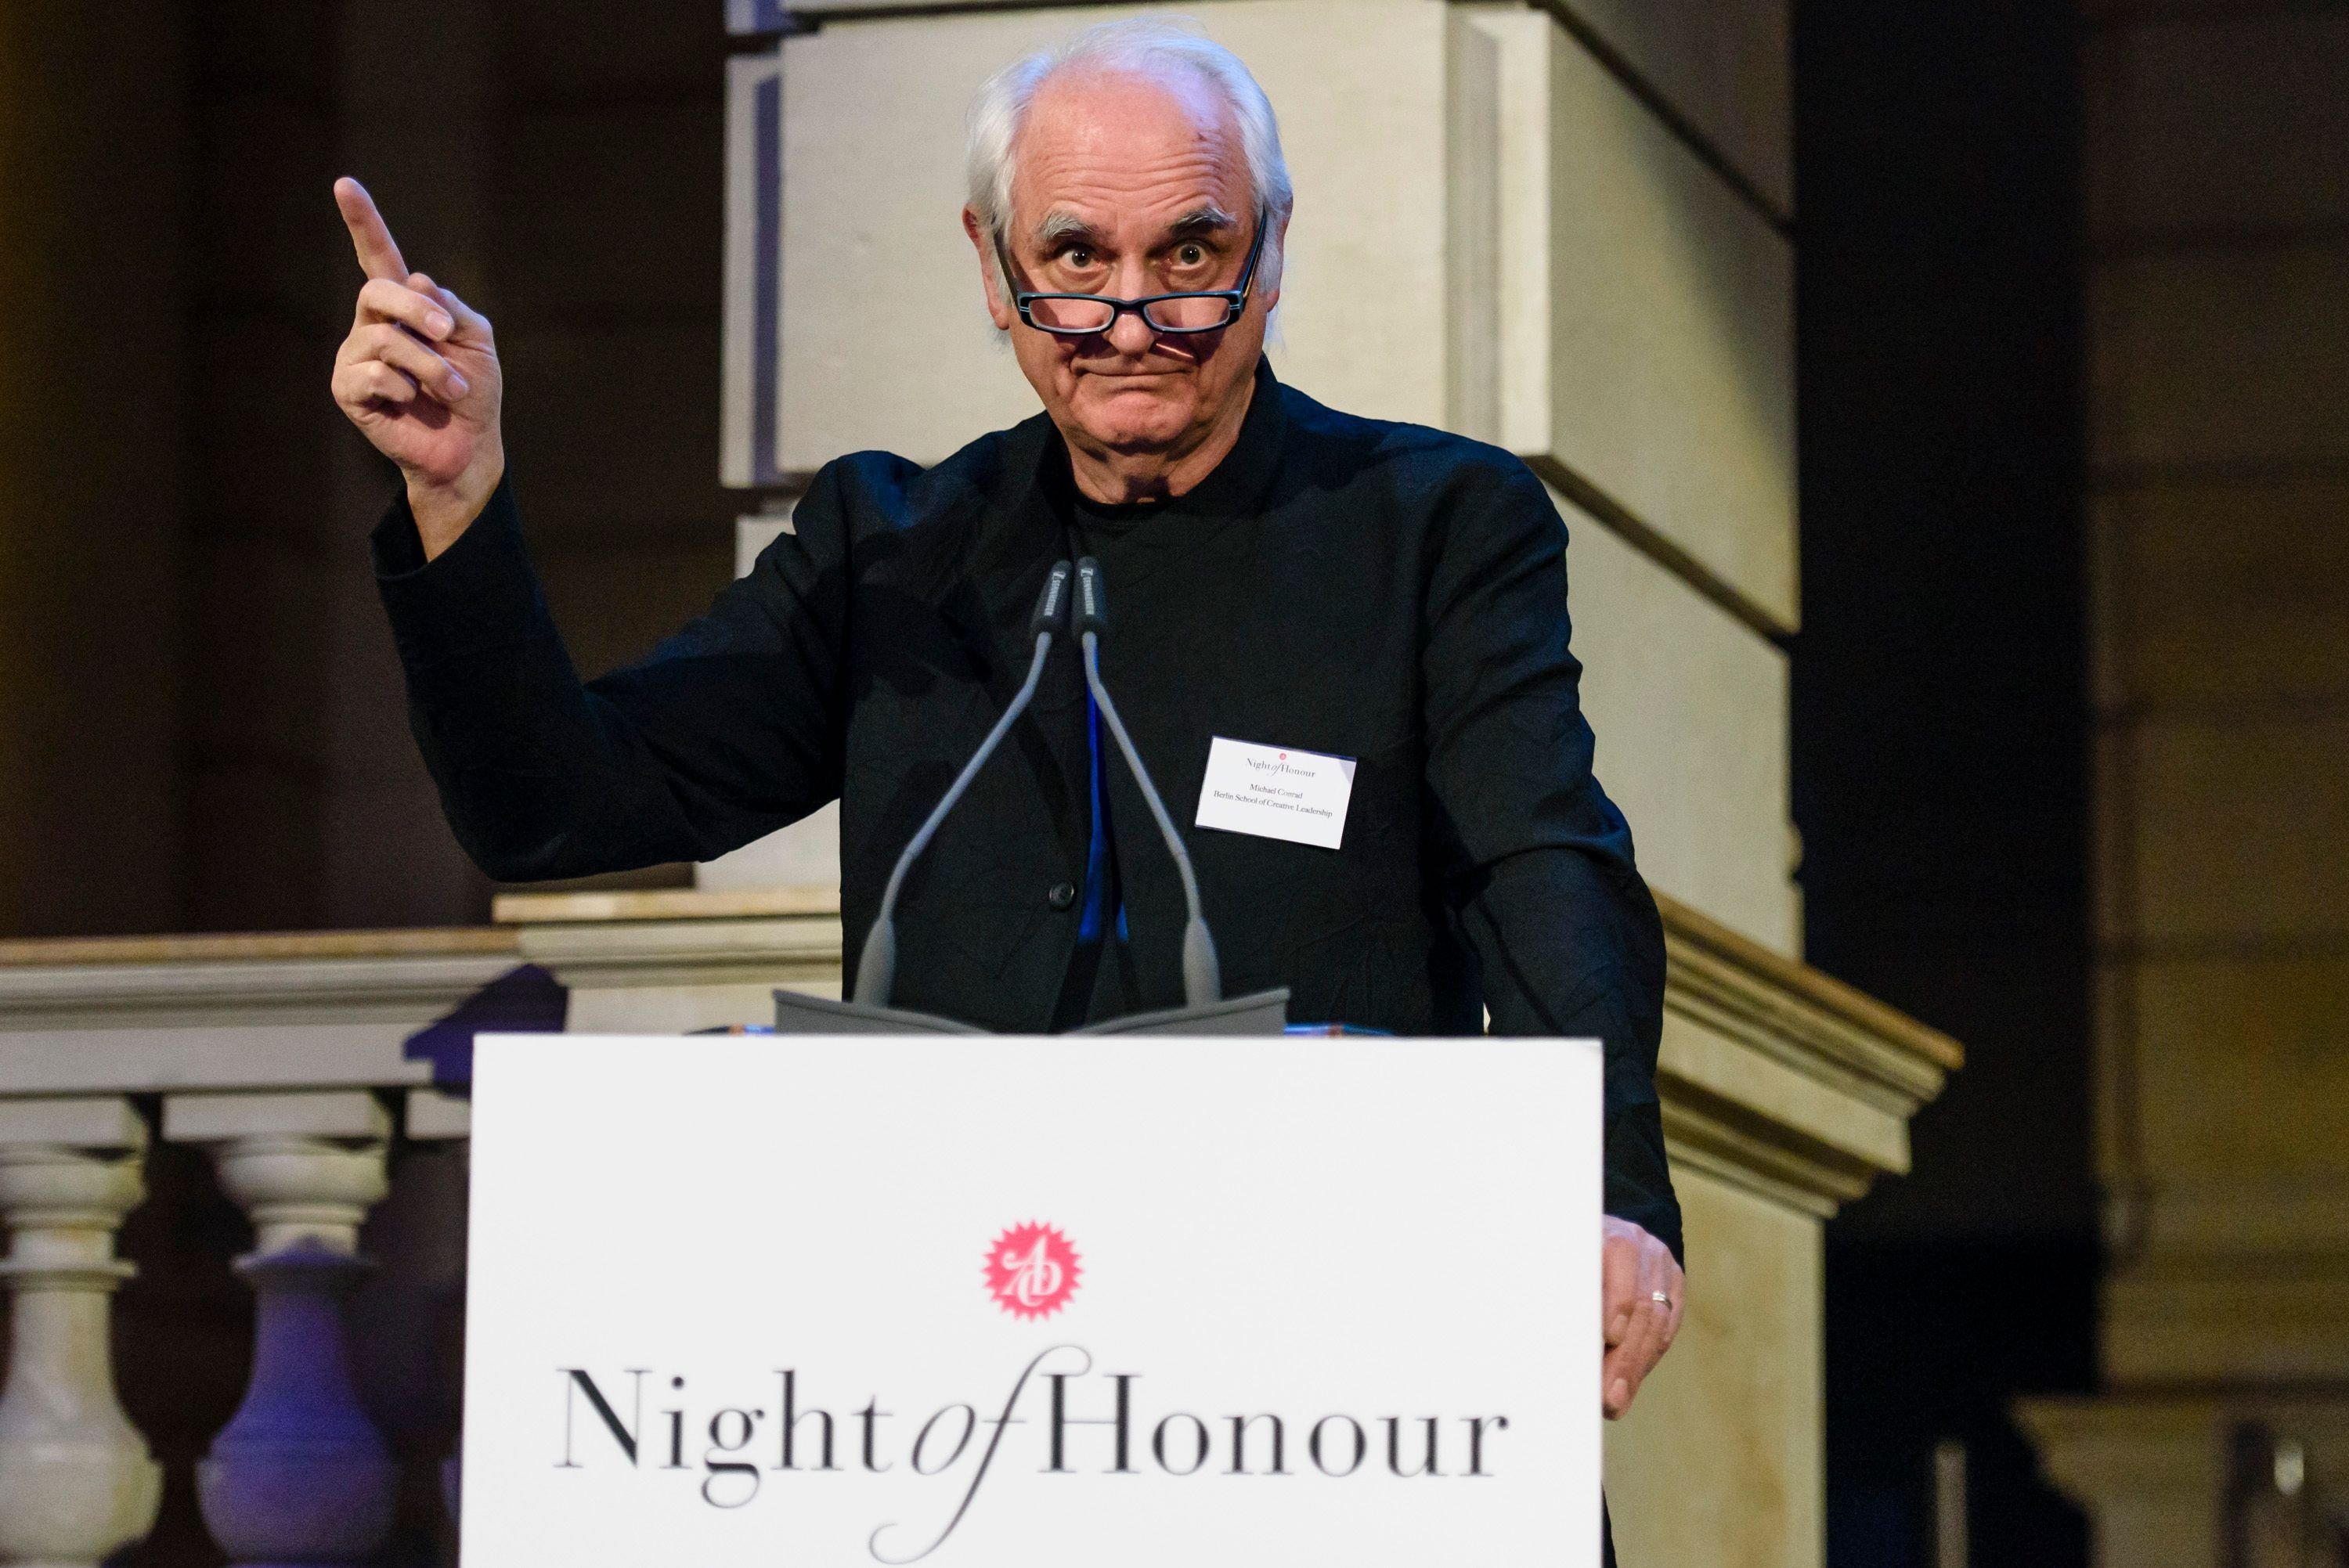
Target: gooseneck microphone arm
pixel 1202 980
pixel 876 969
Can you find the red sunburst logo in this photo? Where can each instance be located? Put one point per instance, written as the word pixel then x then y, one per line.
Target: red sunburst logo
pixel 1032 1271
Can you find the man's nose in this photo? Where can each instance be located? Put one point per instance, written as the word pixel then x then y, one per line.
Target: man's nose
pixel 1130 335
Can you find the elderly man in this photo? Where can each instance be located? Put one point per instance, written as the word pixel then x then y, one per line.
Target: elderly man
pixel 1277 572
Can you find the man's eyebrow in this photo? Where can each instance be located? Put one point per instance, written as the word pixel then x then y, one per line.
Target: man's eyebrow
pixel 1060 228
pixel 1209 219
pixel 1066 228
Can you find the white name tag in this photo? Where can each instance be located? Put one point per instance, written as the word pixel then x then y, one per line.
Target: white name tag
pixel 1276 793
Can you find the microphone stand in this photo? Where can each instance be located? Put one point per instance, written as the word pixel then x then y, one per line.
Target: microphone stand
pixel 1205 1011
pixel 877 969
pixel 1202 980
pixel 869 1011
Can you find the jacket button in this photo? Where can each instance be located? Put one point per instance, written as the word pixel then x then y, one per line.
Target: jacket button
pixel 1063 897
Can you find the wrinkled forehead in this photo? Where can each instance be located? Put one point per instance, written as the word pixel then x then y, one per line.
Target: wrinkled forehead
pixel 1122 143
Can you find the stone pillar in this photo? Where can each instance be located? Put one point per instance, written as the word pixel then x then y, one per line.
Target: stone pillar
pixel 2152 1468
pixel 2217 363
pixel 2150 1475
pixel 75 1480
pixel 300 1474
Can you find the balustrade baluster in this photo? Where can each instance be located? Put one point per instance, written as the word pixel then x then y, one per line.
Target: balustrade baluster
pixel 299 1475
pixel 77 1482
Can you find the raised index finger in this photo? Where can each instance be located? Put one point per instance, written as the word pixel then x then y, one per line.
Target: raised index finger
pixel 369 238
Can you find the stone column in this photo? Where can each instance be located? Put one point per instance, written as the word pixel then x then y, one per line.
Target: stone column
pixel 2150 1474
pixel 2150 1466
pixel 300 1474
pixel 75 1480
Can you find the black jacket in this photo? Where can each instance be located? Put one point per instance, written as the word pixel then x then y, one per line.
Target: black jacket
pixel 1381 592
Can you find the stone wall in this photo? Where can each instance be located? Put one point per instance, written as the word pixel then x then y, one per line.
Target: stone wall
pixel 2218 180
pixel 555 165
pixel 93 405
pixel 200 719
pixel 2220 522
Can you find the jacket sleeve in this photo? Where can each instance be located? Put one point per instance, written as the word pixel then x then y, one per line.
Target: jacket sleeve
pixel 1537 862
pixel 728 730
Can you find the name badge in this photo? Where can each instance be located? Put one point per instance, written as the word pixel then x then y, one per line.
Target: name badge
pixel 1276 793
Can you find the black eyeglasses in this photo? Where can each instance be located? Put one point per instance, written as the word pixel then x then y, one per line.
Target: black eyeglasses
pixel 1085 316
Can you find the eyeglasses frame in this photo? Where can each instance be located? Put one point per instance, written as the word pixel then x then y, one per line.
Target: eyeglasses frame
pixel 1234 297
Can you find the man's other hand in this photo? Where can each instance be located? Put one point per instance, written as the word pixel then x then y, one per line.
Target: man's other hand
pixel 418 376
pixel 1635 1269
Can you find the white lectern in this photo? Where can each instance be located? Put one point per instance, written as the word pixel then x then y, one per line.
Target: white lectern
pixel 988 1300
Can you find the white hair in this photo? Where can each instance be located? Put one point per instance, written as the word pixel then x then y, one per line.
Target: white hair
pixel 1146 46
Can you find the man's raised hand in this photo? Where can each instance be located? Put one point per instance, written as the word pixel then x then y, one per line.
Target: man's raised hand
pixel 418 376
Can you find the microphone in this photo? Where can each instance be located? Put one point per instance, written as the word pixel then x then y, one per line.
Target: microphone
pixel 1202 978
pixel 878 967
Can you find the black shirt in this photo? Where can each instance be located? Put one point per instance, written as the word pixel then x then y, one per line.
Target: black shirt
pixel 1386 592
pixel 1102 983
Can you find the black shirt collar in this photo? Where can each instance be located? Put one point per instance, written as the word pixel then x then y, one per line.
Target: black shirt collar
pixel 1236 488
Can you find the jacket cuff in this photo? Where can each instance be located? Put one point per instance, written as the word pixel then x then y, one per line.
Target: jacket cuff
pixel 1638 1186
pixel 478 595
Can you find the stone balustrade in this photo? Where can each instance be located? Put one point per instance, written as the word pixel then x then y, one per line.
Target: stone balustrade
pixel 322 1079
pixel 290 1061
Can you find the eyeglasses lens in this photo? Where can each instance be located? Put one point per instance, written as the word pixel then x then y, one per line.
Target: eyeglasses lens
pixel 1188 313
pixel 1184 313
pixel 1061 314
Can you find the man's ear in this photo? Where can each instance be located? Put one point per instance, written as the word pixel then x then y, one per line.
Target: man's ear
pixel 1280 273
pixel 990 271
